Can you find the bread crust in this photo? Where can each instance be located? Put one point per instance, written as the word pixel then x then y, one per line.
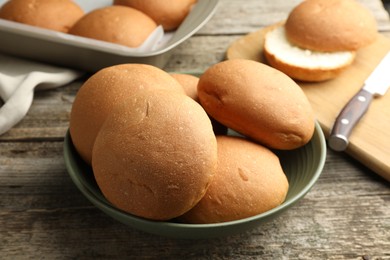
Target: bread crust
pixel 116 24
pixel 156 155
pixel 57 15
pixel 310 72
pixel 189 84
pixel 106 89
pixel 169 13
pixel 249 181
pixel 331 25
pixel 257 101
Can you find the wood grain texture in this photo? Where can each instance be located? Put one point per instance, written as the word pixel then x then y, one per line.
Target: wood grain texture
pixel 43 216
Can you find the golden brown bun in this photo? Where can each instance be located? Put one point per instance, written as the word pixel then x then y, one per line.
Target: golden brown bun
pixel 302 64
pixel 106 89
pixel 170 13
pixel 249 181
pixel 117 24
pixel 156 155
pixel 58 15
pixel 257 101
pixel 189 84
pixel 331 25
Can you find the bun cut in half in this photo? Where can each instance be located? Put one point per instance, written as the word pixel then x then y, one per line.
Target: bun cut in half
pixel 303 64
pixel 319 39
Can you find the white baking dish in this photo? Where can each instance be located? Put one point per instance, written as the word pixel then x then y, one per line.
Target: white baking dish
pixel 91 55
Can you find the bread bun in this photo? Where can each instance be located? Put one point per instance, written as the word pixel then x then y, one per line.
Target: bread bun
pixel 249 181
pixel 117 24
pixel 303 64
pixel 189 84
pixel 156 155
pixel 170 13
pixel 331 25
pixel 104 90
pixel 257 101
pixel 320 38
pixel 57 15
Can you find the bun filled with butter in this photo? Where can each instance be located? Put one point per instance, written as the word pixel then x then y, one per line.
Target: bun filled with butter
pixel 319 39
pixel 57 15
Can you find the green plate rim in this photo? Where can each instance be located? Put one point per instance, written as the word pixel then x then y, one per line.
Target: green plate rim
pixel 317 137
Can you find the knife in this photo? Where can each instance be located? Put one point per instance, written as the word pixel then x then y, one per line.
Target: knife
pixel 375 85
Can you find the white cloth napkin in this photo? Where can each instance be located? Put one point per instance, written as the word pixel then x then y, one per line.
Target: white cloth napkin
pixel 18 80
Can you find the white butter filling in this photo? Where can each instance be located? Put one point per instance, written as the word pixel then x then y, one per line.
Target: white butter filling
pixel 277 44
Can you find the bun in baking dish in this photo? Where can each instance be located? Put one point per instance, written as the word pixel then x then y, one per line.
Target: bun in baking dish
pixel 169 13
pixel 249 181
pixel 57 15
pixel 106 89
pixel 257 101
pixel 155 155
pixel 116 24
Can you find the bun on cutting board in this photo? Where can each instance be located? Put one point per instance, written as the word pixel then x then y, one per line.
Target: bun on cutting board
pixel 249 181
pixel 170 13
pixel 257 101
pixel 155 155
pixel 319 39
pixel 57 15
pixel 106 89
pixel 116 24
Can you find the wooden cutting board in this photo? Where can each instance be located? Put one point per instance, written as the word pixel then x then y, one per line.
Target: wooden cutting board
pixel 370 140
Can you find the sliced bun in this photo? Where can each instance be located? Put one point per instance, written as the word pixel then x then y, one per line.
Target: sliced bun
pixel 57 15
pixel 117 24
pixel 156 155
pixel 303 64
pixel 106 89
pixel 169 13
pixel 258 101
pixel 249 181
pixel 331 25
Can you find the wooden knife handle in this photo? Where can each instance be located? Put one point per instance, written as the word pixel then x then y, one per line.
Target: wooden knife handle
pixel 348 118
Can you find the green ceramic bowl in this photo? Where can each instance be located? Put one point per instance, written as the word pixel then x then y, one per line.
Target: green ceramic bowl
pixel 302 166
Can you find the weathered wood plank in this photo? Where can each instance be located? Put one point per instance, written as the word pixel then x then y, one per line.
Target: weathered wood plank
pixel 43 214
pixel 240 17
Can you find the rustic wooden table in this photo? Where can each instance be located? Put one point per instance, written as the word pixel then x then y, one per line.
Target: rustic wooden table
pixel 43 215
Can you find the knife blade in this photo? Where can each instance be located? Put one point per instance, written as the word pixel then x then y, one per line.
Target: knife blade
pixel 375 85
